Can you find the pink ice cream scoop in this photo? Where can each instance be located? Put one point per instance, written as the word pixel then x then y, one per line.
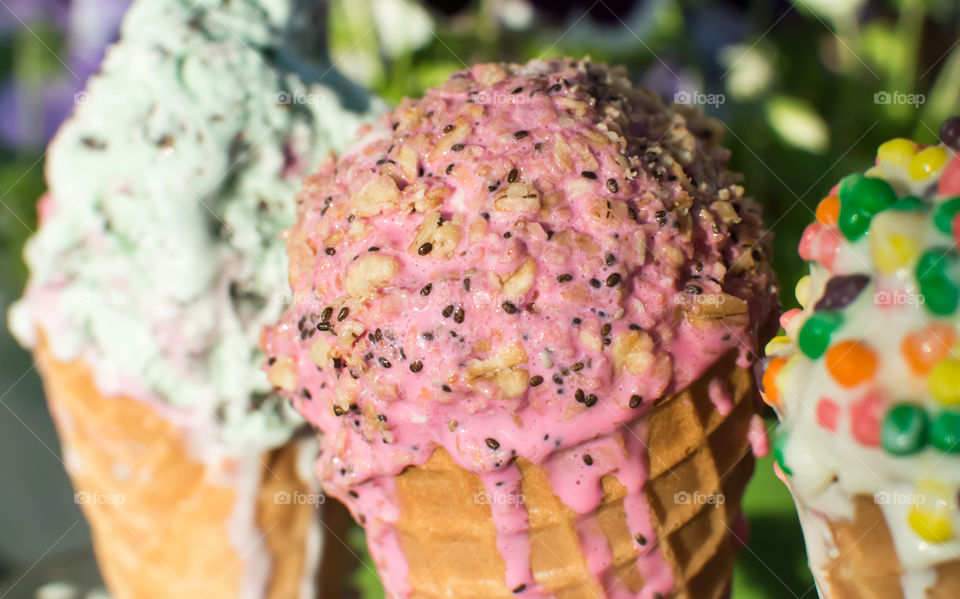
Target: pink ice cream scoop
pixel 514 265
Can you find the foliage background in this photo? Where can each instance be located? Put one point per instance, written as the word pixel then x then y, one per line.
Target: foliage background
pixel 799 81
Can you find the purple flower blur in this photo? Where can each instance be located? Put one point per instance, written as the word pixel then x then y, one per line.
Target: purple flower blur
pixel 33 105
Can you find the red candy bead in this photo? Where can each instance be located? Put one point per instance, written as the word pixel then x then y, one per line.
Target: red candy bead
pixel 865 416
pixel 789 315
pixel 828 412
pixel 949 184
pixel 820 243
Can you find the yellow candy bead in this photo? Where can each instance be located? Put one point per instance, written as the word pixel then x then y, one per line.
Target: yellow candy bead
pixel 931 518
pixel 895 252
pixel 802 291
pixel 777 345
pixel 944 381
pixel 897 151
pixel 927 162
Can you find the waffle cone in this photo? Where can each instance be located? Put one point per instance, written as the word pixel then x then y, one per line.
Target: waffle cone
pixel 856 559
pixel 160 520
pixel 449 539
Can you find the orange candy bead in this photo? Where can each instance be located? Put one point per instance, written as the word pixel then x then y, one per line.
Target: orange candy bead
pixel 922 349
pixel 770 394
pixel 828 210
pixel 851 363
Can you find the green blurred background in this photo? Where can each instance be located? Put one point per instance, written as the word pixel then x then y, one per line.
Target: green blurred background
pixel 807 89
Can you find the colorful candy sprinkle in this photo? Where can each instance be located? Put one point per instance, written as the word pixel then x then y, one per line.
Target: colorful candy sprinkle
pixel 939 293
pixel 866 414
pixel 945 431
pixel 949 183
pixel 926 162
pixel 923 348
pixel 908 204
pixel 851 363
pixel 950 132
pixel 780 441
pixel 944 382
pixel 814 337
pixel 897 151
pixel 895 239
pixel 771 394
pixel 931 518
pixel 828 210
pixel 904 429
pixel 828 413
pixel 944 212
pixel 802 290
pixel 840 292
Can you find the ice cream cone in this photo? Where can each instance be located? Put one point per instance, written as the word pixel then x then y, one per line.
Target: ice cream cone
pixel 449 538
pixel 149 501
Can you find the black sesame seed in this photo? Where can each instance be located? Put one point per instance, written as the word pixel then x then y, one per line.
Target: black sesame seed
pixel 493 444
pixel 641 539
pixel 426 289
pixel 610 260
pixel 446 388
pixel 606 340
pixel 595 283
pixel 588 174
pixel 385 362
pixel 577 321
pixel 323 326
pixel 338 411
pixel 485 215
pixel 635 401
pixel 457 147
pixel 538 146
pixel 605 329
pixel 458 315
pixel 416 366
pixel 577 367
pixel 536 380
pixel 612 185
pixel 522 587
pixel 580 396
pixel 428 336
pixel 635 327
pixel 613 279
pixel 590 401
pixel 344 312
pixel 326 314
pixel 381 418
pixel 373 248
pixel 450 167
pixel 512 175
pixel 425 249
pixel 564 278
pixel 509 308
pixel 517 91
pixel 661 216
pixel 507 235
pixel 520 134
pixel 466 284
pixel 448 129
pixel 557 379
pixel 330 251
pixel 555 87
pixel 378 335
pixel 448 311
pixel 693 289
pixel 587 459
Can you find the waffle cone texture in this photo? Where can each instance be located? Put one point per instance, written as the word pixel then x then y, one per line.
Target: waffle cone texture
pixel 450 541
pixel 161 520
pixel 856 558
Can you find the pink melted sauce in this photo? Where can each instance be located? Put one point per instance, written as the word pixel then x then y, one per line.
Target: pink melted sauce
pixel 543 426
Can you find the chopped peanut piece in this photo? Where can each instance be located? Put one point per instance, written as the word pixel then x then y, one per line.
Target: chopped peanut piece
pixel 407 159
pixel 348 332
pixel 521 196
pixel 282 374
pixel 512 381
pixel 725 210
pixel 517 284
pixel 509 356
pixel 442 236
pixel 459 133
pixel 369 273
pixel 322 351
pixel 376 196
pixel 632 350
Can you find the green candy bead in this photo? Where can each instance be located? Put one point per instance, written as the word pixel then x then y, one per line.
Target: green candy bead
pixel 945 432
pixel 944 212
pixel 852 221
pixel 872 195
pixel 814 337
pixel 940 295
pixel 846 185
pixel 779 446
pixel 904 429
pixel 908 204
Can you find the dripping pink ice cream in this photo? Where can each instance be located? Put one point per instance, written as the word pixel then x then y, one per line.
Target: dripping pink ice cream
pixel 516 265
